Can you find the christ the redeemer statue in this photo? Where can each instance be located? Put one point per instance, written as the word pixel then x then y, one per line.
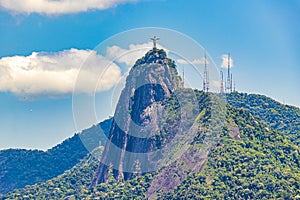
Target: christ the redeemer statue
pixel 154 39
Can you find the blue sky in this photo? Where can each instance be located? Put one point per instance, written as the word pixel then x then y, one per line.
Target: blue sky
pixel 262 37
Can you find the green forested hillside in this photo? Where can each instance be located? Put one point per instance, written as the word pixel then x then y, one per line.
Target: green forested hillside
pixel 278 116
pixel 19 167
pixel 73 182
pixel 250 160
pixel 262 164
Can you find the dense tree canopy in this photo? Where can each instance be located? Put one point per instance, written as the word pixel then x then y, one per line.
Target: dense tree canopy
pixel 254 158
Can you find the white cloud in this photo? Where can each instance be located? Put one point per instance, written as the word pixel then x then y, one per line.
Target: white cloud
pixel 193 62
pixel 55 73
pixel 225 61
pixel 59 6
pixel 130 55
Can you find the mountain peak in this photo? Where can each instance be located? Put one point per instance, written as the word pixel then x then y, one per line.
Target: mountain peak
pixel 153 56
pixel 138 114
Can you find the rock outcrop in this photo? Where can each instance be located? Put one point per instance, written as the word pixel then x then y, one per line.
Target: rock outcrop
pixel 138 115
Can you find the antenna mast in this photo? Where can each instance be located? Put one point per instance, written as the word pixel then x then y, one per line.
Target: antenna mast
pixel 229 76
pixel 222 83
pixel 231 83
pixel 206 75
pixel 234 86
pixel 183 76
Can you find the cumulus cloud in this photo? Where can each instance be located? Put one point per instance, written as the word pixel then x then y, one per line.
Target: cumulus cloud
pixel 193 62
pixel 130 55
pixel 225 61
pixel 59 6
pixel 55 73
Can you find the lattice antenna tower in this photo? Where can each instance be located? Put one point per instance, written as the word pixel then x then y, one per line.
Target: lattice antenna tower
pixel 206 75
pixel 222 83
pixel 183 76
pixel 229 76
pixel 234 86
pixel 231 83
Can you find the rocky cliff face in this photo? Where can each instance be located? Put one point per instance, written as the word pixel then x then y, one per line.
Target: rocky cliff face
pixel 138 115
